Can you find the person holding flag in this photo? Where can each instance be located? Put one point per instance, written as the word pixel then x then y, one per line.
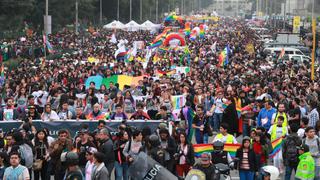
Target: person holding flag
pixel 278 131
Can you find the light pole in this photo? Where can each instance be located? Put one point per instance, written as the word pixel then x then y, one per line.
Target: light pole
pixel 46 18
pixel 157 11
pixel 76 16
pixel 130 10
pixel 312 9
pixel 100 12
pixel 141 10
pixel 118 10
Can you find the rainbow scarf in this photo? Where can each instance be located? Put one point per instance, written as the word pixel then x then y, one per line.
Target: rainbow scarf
pixel 99 117
pixel 208 148
pixel 276 146
pixel 201 31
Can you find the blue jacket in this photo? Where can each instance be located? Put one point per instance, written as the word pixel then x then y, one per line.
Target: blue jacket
pixel 264 113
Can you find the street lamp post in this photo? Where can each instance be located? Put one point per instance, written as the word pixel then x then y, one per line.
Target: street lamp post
pixel 118 10
pixel 141 10
pixel 130 10
pixel 76 16
pixel 157 11
pixel 100 12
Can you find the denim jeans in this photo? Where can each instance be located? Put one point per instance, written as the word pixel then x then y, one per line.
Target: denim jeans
pixel 317 173
pixel 245 129
pixel 288 173
pixel 246 175
pixel 201 139
pixel 121 171
pixel 217 118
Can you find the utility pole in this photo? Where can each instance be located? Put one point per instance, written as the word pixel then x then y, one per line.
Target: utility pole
pixel 222 7
pixel 100 12
pixel 284 15
pixel 156 11
pixel 141 10
pixel 77 17
pixel 118 10
pixel 130 10
pixel 46 18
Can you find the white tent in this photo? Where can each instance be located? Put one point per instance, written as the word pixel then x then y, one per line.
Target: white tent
pixel 114 25
pixel 132 26
pixel 148 25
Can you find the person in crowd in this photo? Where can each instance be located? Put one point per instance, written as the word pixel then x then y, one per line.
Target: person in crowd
pixel 100 172
pixel 133 146
pixel 79 114
pixel 306 166
pixel 230 116
pixel 164 115
pixel 289 152
pixel 41 147
pixel 218 110
pixel 206 166
pixel 65 113
pixel 49 114
pixel 119 114
pixel 314 114
pixel 201 125
pixel 295 113
pixel 9 112
pixel 248 118
pixel 313 143
pixel 106 147
pixel 121 165
pixel 62 144
pixel 33 113
pixel 90 163
pixel 184 155
pixel 247 164
pixel 219 154
pixel 265 115
pixel 73 171
pixel 16 171
pixel 278 131
pixel 4 162
pixel 303 126
pixel 82 147
pixel 224 136
pixel 96 114
pixel 168 145
pixel 261 149
pixel 281 111
pixel 140 114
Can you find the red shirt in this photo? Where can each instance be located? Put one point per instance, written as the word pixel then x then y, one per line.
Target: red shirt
pixel 257 148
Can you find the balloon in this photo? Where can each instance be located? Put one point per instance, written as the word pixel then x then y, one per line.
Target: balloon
pixel 174 36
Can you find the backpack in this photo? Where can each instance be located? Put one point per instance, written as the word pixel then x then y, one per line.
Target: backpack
pixel 291 152
pixel 26 155
pixel 318 143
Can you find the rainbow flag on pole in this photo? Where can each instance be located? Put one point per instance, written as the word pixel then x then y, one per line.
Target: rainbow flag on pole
pixel 201 148
pixel 1 75
pixel 224 56
pixel 276 146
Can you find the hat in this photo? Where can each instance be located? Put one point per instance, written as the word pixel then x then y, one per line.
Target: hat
pixel 84 131
pixel 303 147
pixel 91 150
pixel 205 157
pixel 162 126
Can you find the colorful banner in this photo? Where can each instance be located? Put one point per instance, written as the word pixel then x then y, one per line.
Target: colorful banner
pixel 178 102
pixel 232 148
pixel 122 80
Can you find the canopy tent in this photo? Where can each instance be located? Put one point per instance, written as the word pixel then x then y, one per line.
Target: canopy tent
pixel 114 25
pixel 148 25
pixel 132 26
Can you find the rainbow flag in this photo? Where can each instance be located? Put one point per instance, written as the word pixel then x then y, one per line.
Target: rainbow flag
pixel 201 148
pixel 178 101
pixel 122 55
pixel 47 44
pixel 187 30
pixel 224 56
pixel 2 75
pixel 99 117
pixel 201 31
pixel 189 114
pixel 276 146
pixel 168 73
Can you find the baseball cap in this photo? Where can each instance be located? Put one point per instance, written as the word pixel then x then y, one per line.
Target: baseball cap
pixel 303 147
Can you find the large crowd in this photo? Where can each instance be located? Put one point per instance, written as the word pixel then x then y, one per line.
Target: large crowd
pixel 258 96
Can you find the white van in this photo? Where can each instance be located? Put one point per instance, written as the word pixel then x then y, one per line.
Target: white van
pixel 287 51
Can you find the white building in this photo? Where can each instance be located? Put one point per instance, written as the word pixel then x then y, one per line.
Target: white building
pixel 231 7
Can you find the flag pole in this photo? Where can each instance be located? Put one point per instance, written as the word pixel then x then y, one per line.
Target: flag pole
pixel 313 47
